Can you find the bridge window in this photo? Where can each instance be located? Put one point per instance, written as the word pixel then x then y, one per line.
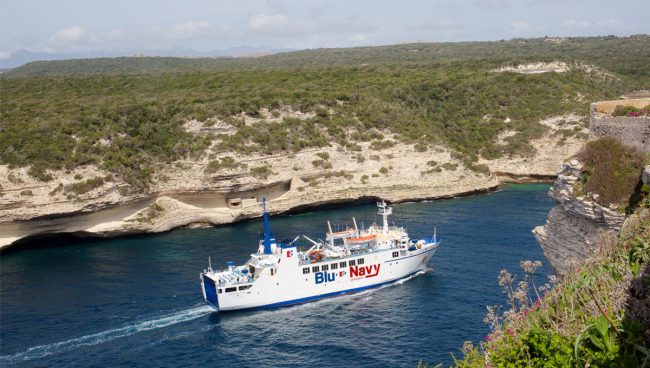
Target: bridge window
pixel 395 254
pixel 360 261
pixel 305 270
pixel 220 291
pixel 244 287
pixel 324 267
pixel 231 289
pixel 352 262
pixel 334 266
pixel 314 269
pixel 343 264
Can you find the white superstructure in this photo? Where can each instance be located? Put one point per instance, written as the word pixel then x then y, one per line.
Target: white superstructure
pixel 279 274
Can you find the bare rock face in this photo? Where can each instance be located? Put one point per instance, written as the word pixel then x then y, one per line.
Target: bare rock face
pixel 583 206
pixel 573 228
pixel 568 238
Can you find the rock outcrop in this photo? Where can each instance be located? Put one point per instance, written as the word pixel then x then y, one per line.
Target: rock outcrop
pixel 575 226
pixel 194 192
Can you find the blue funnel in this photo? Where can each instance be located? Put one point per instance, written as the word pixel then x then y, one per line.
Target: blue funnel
pixel 267 229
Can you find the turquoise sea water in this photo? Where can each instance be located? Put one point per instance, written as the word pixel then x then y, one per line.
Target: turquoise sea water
pixel 137 302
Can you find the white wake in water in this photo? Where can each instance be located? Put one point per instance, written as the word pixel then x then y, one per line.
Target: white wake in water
pixel 105 336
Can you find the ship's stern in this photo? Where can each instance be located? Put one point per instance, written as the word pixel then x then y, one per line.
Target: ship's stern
pixel 209 291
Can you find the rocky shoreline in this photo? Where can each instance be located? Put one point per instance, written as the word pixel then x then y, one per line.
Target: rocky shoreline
pixel 186 193
pixel 165 213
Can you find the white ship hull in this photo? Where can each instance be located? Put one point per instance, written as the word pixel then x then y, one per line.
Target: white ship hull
pixel 290 286
pixel 284 276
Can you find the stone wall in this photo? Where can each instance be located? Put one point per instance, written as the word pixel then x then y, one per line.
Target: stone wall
pixel 634 131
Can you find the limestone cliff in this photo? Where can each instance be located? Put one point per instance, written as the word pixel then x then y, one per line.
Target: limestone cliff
pixel 576 224
pixel 89 201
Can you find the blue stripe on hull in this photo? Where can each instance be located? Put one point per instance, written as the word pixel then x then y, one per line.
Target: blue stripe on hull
pixel 318 297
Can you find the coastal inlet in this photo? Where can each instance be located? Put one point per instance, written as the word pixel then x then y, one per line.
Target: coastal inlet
pixel 136 301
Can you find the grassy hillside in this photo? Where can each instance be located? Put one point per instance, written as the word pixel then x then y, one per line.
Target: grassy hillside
pixel 626 56
pixel 55 115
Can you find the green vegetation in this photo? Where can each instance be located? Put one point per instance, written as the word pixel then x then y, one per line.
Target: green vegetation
pixel 612 170
pixel 630 111
pixel 322 164
pixel 595 317
pixel 597 314
pixel 85 186
pixel 261 172
pixel 449 166
pixel 226 163
pixel 380 145
pixel 126 115
pixel 323 155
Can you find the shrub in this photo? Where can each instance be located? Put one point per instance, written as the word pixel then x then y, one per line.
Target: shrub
pixel 57 189
pixel 419 147
pixel 383 170
pixel 353 147
pixel 40 172
pixel 480 168
pixel 85 186
pixel 449 166
pixel 26 192
pixel 380 145
pixel 323 155
pixel 261 172
pixel 322 164
pixel 612 170
pixel 225 163
pixel 624 110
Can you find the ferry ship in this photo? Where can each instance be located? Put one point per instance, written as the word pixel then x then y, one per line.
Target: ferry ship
pixel 279 274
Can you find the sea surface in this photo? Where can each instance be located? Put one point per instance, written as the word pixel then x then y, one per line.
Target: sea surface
pixel 136 301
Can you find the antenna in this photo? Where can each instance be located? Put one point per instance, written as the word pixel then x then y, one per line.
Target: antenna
pixel 355 224
pixel 384 211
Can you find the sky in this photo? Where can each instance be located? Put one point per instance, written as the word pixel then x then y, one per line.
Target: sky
pixel 123 28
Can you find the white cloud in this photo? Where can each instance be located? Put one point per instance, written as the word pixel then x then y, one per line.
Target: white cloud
pixel 5 55
pixel 69 37
pixel 608 23
pixel 577 23
pixel 494 4
pixel 190 29
pixel 605 23
pixel 442 24
pixel 520 26
pixel 262 22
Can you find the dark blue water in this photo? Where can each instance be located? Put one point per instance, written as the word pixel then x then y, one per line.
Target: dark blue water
pixel 137 301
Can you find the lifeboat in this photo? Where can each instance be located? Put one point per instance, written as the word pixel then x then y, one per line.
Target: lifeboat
pixel 341 234
pixel 361 239
pixel 316 255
